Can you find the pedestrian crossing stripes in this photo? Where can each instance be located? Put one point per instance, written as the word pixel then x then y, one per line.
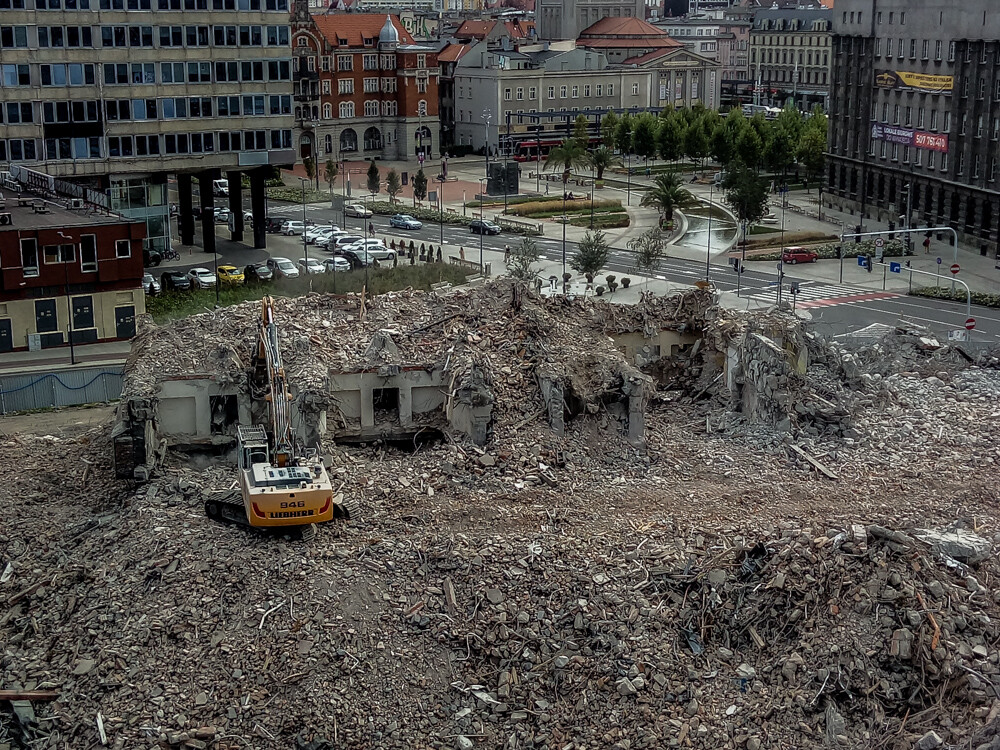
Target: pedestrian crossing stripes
pixel 824 295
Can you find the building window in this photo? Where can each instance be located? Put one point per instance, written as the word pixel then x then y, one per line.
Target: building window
pixel 326 87
pixel 520 93
pixel 371 108
pixel 562 92
pixel 937 50
pixel 422 108
pixel 924 45
pixel 895 152
pixel 993 169
pixel 552 92
pixel 951 52
pixel 962 123
pixel 979 127
pixel 345 62
pixel 532 93
pixel 930 160
pixel 29 258
pixel 575 92
pixel 327 111
pixel 982 88
pixel 345 86
pixel 934 119
pixel 371 85
pixel 88 253
pixel 947 122
pixel 920 118
pixel 975 166
pixel 59 253
pixel 944 162
pixel 961 164
pixel 123 249
pixel 369 62
pixel 346 109
pixel 895 114
pixel 600 90
pixel 996 128
pixel 913 49
pixel 611 89
pixel 421 61
pixel 506 94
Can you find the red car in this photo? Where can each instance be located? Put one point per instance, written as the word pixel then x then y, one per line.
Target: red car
pixel 793 255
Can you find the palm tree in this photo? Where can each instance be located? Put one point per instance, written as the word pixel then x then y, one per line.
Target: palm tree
pixel 602 158
pixel 567 156
pixel 667 194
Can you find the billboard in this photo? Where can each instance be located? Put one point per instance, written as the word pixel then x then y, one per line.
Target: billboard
pixel 907 137
pixel 900 79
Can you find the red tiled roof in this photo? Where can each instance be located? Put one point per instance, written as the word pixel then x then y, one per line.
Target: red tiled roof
pixel 453 52
pixel 619 33
pixel 474 29
pixel 355 27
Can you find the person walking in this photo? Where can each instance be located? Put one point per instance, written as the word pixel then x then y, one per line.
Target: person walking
pixel 461 253
pixel 371 228
pixel 927 245
pixel 506 254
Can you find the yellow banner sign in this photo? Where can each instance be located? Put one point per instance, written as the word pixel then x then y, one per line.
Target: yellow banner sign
pixel 900 79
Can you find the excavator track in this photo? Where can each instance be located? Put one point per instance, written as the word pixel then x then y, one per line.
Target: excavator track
pixel 229 509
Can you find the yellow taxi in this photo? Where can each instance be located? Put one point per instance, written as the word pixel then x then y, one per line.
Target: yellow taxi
pixel 230 276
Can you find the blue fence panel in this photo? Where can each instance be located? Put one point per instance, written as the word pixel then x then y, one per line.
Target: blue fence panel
pixel 86 385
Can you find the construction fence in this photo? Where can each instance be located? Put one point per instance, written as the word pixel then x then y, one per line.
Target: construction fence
pixel 85 385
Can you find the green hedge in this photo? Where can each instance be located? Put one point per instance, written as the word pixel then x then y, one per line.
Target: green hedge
pixel 601 221
pixel 892 249
pixel 294 195
pixel 944 292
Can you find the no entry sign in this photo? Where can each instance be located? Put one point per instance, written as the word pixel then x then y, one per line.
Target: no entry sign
pixel 970 324
pixel 955 268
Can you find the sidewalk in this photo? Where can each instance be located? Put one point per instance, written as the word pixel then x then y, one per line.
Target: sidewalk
pixel 111 354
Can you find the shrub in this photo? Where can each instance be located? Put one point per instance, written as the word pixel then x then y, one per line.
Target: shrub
pixel 944 292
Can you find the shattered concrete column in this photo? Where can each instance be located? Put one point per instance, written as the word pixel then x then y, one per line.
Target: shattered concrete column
pixel 634 389
pixel 553 395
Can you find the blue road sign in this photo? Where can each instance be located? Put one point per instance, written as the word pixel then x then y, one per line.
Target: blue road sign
pixel 861 261
pixel 895 267
pixel 939 261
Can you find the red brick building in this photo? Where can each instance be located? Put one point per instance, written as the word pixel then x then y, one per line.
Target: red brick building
pixel 64 272
pixel 363 88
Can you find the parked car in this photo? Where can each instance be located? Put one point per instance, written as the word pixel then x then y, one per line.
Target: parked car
pixel 175 281
pixel 282 268
pixel 357 210
pixel 310 265
pixel 337 264
pixel 375 247
pixel 221 215
pixel 330 238
pixel 793 255
pixel 202 278
pixel 150 285
pixel 404 221
pixel 257 272
pixel 230 276
pixel 360 258
pixel 315 232
pixel 220 188
pixel 345 241
pixel 481 226
pixel 273 225
pixel 290 228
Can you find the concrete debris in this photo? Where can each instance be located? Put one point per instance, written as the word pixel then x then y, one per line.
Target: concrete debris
pixel 513 582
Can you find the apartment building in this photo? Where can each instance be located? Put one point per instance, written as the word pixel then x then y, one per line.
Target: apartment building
pixel 363 89
pixel 915 117
pixel 790 56
pixel 121 96
pixel 565 19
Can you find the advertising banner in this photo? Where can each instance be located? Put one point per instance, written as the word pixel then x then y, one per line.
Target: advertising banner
pixel 907 137
pixel 901 79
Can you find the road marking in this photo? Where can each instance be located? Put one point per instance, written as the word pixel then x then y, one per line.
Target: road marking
pixel 847 300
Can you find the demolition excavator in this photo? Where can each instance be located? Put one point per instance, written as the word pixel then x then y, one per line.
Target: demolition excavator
pixel 283 487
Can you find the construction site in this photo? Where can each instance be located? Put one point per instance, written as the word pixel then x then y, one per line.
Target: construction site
pixel 509 521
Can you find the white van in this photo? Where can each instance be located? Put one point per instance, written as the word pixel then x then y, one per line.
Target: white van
pixel 220 188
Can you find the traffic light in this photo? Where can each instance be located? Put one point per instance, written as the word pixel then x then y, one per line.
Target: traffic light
pixel 857 235
pixel 868 263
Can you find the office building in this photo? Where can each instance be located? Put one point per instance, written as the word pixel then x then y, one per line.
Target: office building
pixel 120 98
pixel 915 119
pixel 565 19
pixel 790 56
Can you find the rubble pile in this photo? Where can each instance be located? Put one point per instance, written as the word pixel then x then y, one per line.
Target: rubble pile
pixel 734 582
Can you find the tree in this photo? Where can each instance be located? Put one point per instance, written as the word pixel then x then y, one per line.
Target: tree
pixel 722 145
pixel 567 156
pixel 667 194
pixel 749 148
pixel 811 153
pixel 779 154
pixel 310 167
pixel 419 185
pixel 649 250
pixel 373 179
pixel 695 142
pixel 580 131
pixel 591 253
pixel 670 139
pixel 623 134
pixel 523 257
pixel 332 170
pixel 746 195
pixel 609 123
pixel 644 136
pixel 392 185
pixel 603 158
pixel 790 121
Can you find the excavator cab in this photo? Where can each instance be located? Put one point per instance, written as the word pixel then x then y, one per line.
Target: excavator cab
pixel 253 447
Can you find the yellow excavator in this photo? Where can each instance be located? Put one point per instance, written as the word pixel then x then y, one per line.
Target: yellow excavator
pixel 282 487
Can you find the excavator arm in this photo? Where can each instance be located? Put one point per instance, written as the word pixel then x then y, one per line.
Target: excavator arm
pixel 278 397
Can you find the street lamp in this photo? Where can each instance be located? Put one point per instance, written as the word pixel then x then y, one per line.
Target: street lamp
pixel 305 246
pixel 69 304
pixel 482 217
pixel 564 237
pixel 592 194
pixel 708 254
pixel 441 179
pixel 487 116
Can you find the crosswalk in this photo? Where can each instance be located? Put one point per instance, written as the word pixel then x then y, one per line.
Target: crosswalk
pixel 812 295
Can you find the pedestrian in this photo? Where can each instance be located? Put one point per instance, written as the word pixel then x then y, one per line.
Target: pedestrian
pixel 927 245
pixel 371 228
pixel 461 253
pixel 506 254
